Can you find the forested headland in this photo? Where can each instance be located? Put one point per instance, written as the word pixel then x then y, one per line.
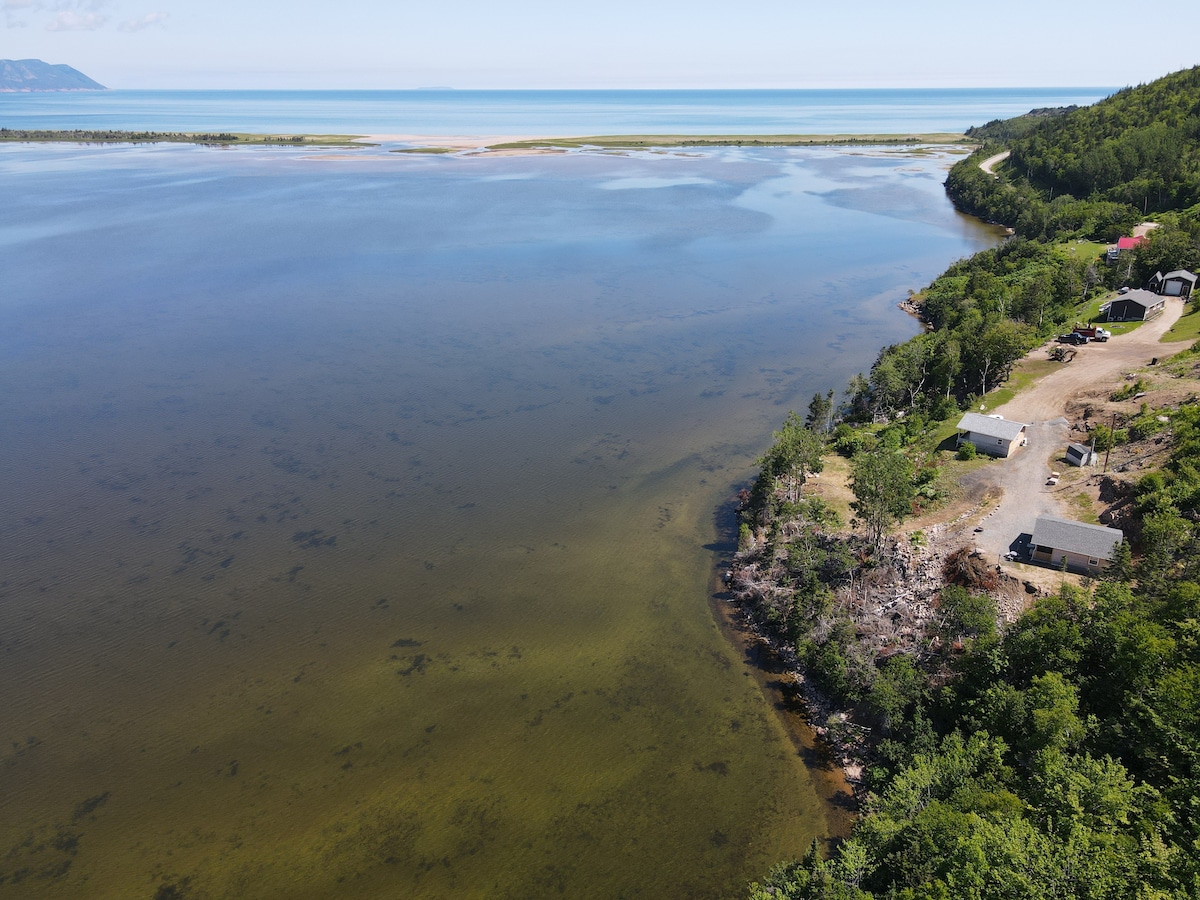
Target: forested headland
pixel 1056 754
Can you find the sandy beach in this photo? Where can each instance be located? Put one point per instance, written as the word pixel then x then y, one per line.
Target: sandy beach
pixel 452 142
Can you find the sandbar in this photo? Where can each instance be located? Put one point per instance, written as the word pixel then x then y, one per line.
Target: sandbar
pixel 524 145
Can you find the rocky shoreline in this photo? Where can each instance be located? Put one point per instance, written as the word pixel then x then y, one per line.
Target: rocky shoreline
pixel 893 607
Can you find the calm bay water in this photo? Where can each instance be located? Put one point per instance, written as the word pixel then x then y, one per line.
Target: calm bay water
pixel 542 113
pixel 355 510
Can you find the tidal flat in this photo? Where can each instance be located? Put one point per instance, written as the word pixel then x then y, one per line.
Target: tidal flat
pixel 359 514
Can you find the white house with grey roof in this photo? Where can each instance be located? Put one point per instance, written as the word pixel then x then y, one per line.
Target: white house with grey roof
pixel 1086 548
pixel 994 435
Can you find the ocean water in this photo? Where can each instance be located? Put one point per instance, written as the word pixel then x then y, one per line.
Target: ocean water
pixel 537 113
pixel 359 511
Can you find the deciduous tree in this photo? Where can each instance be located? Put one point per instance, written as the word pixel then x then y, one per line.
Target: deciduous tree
pixel 882 485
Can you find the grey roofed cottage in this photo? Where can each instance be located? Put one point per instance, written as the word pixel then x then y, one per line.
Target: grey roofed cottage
pixel 993 435
pixel 1086 548
pixel 1134 306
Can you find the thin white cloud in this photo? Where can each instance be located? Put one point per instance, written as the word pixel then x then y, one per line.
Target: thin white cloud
pixel 76 15
pixel 73 21
pixel 9 7
pixel 150 20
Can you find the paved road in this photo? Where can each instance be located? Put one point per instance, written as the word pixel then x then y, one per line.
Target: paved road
pixel 1022 478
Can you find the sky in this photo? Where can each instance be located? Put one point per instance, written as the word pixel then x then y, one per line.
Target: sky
pixel 405 44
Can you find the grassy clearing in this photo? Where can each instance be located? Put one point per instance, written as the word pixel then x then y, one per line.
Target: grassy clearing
pixel 833 485
pixel 1089 251
pixel 941 433
pixel 1091 313
pixel 1122 327
pixel 1186 329
pixel 1083 508
pixel 433 151
pixel 1029 372
pixel 642 141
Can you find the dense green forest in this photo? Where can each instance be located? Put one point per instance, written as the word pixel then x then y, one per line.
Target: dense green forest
pixel 1093 172
pixel 1058 757
pixel 986 312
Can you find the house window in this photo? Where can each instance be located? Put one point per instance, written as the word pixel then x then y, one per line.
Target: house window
pixel 1093 562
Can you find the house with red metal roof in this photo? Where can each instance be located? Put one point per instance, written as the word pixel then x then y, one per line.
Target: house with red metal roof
pixel 1124 245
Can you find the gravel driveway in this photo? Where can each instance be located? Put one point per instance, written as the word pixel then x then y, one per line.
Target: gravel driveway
pixel 1022 478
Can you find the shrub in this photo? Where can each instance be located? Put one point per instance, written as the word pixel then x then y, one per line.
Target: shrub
pixel 1107 438
pixel 745 537
pixel 849 441
pixel 966 451
pixel 944 408
pixel 1129 390
pixel 1145 426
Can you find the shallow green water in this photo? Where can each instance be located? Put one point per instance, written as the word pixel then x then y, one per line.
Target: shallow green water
pixel 357 515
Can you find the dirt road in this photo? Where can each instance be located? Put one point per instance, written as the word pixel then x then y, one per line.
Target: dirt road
pixel 989 164
pixel 1021 479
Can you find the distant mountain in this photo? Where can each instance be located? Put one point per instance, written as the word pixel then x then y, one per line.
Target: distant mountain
pixel 21 75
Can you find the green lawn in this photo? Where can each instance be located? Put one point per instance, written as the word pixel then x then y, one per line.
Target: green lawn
pixel 1082 510
pixel 1029 372
pixel 1187 328
pixel 1086 250
pixel 1091 313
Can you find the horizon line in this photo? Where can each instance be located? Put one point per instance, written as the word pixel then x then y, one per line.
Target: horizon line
pixel 762 90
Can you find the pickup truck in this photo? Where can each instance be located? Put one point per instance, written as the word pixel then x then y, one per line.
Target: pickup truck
pixel 1092 332
pixel 1073 338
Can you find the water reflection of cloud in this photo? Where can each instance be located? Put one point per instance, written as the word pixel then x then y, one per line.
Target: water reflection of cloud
pixel 893 200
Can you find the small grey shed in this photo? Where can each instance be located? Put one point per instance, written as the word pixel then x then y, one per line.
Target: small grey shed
pixel 1081 455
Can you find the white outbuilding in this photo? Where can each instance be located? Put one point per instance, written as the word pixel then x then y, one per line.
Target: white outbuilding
pixel 993 435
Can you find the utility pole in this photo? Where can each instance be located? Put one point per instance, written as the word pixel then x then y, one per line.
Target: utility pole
pixel 1112 432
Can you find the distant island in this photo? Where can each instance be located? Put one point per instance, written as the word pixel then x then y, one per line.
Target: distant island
pixel 27 75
